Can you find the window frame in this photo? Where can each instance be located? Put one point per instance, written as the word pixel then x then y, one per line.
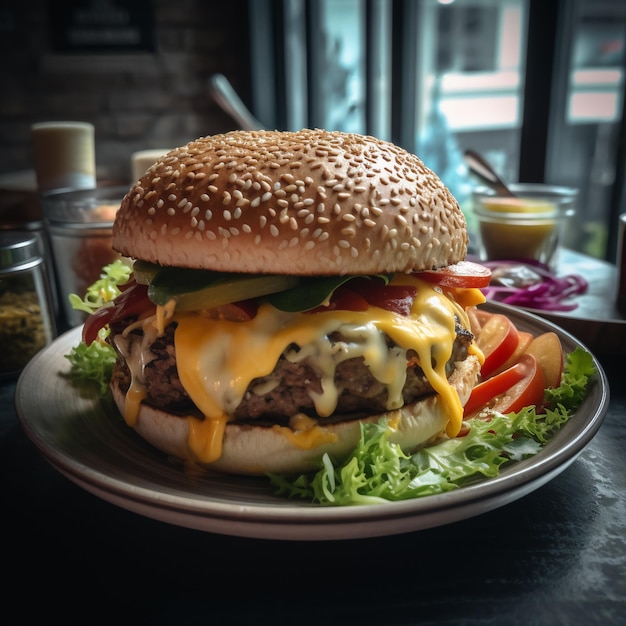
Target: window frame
pixel 282 72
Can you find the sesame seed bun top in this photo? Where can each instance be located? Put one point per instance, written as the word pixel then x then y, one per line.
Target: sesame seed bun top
pixel 304 203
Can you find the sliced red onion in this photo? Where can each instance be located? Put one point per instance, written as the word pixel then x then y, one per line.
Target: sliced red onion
pixel 548 295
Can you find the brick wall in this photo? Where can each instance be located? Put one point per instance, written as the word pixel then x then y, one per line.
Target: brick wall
pixel 135 100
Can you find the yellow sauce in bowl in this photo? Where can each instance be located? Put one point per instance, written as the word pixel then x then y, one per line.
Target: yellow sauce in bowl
pixel 517 228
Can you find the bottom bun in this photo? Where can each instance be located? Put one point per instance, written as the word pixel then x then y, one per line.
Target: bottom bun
pixel 257 450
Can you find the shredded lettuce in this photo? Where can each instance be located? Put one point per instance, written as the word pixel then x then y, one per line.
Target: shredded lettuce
pixel 379 471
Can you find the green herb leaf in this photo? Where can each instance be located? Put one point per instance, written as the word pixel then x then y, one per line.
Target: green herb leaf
pixel 313 292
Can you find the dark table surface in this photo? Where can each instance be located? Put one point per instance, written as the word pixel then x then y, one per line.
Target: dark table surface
pixel 555 556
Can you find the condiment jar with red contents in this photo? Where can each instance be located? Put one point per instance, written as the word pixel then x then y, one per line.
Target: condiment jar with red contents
pixel 26 311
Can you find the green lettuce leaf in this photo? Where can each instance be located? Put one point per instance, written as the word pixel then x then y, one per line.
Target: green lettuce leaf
pixel 93 364
pixel 103 290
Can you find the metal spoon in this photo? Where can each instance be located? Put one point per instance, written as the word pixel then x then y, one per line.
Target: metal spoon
pixel 230 102
pixel 479 166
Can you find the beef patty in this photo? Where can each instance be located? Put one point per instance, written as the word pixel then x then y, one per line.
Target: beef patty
pixel 287 390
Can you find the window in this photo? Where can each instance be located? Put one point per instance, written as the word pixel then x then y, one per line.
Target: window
pixel 535 86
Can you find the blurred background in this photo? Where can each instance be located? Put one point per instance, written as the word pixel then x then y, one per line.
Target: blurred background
pixel 537 86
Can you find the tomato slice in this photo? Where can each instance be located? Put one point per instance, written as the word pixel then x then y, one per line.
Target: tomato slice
pixel 461 274
pixel 343 299
pixel 478 318
pixel 395 298
pixel 360 294
pixel 525 339
pixel 242 311
pixel 527 391
pixel 498 338
pixel 548 351
pixel 510 391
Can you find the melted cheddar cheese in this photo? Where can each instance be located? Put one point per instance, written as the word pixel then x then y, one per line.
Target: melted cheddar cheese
pixel 218 359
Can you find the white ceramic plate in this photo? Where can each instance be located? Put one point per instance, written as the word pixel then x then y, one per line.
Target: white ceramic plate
pixel 88 442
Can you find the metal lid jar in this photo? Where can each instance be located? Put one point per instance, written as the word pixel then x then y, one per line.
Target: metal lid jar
pixel 26 312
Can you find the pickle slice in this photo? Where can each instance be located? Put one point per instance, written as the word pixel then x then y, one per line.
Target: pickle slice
pixel 144 271
pixel 202 289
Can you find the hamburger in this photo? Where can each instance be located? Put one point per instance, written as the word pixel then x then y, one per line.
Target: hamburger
pixel 288 287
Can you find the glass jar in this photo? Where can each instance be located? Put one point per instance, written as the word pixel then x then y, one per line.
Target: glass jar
pixel 26 312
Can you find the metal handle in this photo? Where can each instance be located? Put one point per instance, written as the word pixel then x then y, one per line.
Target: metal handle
pixel 485 172
pixel 230 102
